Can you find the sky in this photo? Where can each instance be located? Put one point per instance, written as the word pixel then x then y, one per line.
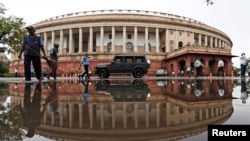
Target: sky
pixel 230 16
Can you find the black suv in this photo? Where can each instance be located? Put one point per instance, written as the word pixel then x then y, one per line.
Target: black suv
pixel 134 64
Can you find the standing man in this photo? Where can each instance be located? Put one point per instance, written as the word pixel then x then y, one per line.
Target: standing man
pixel 188 71
pixel 53 56
pixel 198 67
pixel 220 67
pixel 16 72
pixel 85 63
pixel 31 46
pixel 243 64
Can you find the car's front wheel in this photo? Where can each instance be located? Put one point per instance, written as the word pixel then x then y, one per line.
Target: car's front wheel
pixel 103 73
pixel 138 73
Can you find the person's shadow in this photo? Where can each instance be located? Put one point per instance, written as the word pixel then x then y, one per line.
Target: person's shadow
pixel 85 94
pixel 198 88
pixel 53 98
pixel 244 94
pixel 32 115
pixel 221 87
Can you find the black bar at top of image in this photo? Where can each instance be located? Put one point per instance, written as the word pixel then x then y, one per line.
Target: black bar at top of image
pixel 228 132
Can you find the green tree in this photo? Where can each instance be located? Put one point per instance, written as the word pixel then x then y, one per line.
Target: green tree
pixel 4 67
pixel 11 31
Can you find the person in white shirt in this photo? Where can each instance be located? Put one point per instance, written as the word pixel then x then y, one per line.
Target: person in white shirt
pixel 243 64
pixel 16 72
pixel 198 66
pixel 188 71
pixel 220 67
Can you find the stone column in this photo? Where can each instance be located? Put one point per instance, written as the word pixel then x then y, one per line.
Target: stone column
pixel 91 116
pixel 71 109
pixel 61 107
pixel 70 40
pixel 157 40
pixel 113 115
pixel 61 42
pixel 45 116
pixel 205 41
pixel 219 43
pixel 211 41
pixel 167 48
pixel 199 39
pixel 136 116
pixel 90 48
pixel 80 115
pixel 45 36
pixel 215 42
pixel 102 115
pixel 200 115
pixel 52 117
pixel 185 38
pixel 113 39
pixel 80 40
pixel 124 40
pixel 175 39
pixel 147 114
pixel 146 40
pixel 124 115
pixel 135 40
pixel 52 38
pixel 158 114
pixel 102 39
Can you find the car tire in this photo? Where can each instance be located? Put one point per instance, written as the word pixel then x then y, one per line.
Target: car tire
pixel 138 84
pixel 103 73
pixel 138 73
pixel 103 84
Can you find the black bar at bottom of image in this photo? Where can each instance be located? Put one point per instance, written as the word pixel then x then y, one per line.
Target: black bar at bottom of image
pixel 228 132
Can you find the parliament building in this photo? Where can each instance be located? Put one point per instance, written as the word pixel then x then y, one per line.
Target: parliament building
pixel 170 41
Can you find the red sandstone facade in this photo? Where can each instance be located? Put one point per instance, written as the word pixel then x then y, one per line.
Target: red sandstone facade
pixel 169 41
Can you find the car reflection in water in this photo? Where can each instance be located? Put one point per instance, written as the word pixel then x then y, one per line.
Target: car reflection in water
pixel 125 90
pixel 133 110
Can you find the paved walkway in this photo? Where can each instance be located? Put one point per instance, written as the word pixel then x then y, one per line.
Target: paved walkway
pixel 20 79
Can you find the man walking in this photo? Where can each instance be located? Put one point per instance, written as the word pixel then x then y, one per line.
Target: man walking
pixel 85 63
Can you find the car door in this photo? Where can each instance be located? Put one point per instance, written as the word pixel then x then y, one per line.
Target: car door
pixel 128 64
pixel 117 65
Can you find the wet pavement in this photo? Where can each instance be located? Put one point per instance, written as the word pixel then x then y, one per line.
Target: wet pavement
pixel 121 108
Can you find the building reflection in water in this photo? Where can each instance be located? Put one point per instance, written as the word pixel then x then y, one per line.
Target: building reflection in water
pixel 131 109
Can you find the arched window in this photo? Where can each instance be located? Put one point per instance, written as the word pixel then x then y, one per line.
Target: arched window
pixel 129 46
pixel 180 45
pixel 109 46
